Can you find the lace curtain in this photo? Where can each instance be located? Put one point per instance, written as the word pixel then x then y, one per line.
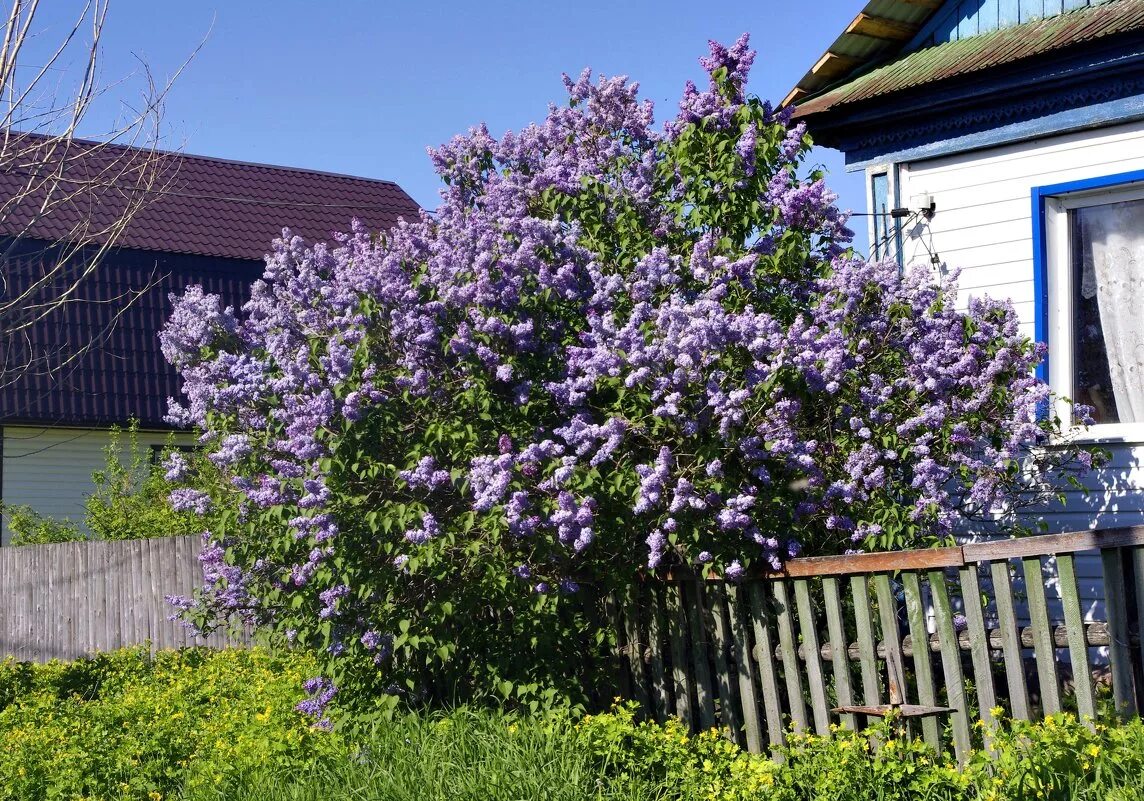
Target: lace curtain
pixel 1112 271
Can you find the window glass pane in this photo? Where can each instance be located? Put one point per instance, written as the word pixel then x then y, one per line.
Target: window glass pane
pixel 1108 310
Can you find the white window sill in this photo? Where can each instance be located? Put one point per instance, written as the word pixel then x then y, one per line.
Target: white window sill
pixel 1108 434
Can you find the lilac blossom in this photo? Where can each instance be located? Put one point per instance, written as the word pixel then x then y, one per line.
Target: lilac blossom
pixel 692 393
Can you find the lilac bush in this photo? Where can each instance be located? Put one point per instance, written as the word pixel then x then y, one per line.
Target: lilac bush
pixel 613 348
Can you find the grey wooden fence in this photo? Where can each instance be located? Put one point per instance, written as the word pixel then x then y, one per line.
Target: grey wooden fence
pixel 63 600
pixel 837 639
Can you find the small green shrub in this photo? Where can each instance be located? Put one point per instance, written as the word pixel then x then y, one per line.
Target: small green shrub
pixel 29 527
pixel 129 498
pixel 128 725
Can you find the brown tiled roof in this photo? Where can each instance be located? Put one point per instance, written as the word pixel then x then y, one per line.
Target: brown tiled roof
pixel 205 221
pixel 982 52
pixel 204 206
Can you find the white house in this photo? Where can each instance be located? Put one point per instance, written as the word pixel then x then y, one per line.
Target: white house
pixel 1006 138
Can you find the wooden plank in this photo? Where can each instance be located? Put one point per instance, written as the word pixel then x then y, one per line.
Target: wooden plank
pixel 97 598
pixel 677 629
pixel 979 644
pixel 1010 641
pixel 623 666
pixel 1031 9
pixel 147 605
pixel 1048 544
pixel 839 658
pixel 728 702
pixel 741 645
pixel 764 654
pixel 1007 13
pixel 875 27
pixel 704 693
pixel 835 65
pixel 1074 625
pixel 1138 574
pixel 1119 650
pixel 80 583
pixel 659 694
pixel 951 664
pixel 923 661
pixel 189 550
pixel 40 624
pixel 867 645
pixel 6 607
pixel 792 670
pixel 1044 648
pixel 50 576
pixel 921 559
pixel 891 636
pixel 815 678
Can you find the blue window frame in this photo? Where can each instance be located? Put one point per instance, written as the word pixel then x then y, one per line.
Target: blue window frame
pixel 1056 211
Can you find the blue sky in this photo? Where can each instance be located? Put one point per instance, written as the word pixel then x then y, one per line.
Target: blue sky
pixel 363 87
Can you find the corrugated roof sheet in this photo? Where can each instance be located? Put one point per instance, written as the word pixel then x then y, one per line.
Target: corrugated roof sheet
pixel 200 205
pixel 983 52
pixel 123 375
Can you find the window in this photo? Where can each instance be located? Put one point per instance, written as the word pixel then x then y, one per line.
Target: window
pixel 1094 320
pixel 880 204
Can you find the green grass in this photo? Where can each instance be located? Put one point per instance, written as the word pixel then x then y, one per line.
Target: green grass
pixel 466 755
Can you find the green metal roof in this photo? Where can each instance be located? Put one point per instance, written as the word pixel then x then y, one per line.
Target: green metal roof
pixel 982 52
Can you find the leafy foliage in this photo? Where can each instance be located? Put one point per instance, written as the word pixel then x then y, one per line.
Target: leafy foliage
pixel 29 527
pixel 204 725
pixel 127 725
pixel 613 348
pixel 130 499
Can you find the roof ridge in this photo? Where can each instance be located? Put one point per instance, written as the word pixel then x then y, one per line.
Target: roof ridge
pixel 182 154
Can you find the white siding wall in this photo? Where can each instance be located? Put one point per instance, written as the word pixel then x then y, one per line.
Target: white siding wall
pixel 50 469
pixel 983 226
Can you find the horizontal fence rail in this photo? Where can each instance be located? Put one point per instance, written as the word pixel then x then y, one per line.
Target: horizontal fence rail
pixel 63 600
pixel 832 639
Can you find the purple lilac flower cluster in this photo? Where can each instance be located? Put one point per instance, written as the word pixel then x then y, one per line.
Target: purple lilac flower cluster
pixel 732 404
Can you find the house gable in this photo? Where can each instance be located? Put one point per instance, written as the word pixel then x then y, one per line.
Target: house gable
pixel 1073 70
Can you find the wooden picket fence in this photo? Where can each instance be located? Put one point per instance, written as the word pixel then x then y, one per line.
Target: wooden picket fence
pixel 840 639
pixel 63 600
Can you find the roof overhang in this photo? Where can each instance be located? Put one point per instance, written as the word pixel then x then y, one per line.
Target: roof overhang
pixel 878 32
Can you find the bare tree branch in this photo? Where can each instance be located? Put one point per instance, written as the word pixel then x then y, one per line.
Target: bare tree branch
pixel 66 202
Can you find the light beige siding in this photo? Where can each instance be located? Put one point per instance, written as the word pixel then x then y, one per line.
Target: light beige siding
pixel 50 469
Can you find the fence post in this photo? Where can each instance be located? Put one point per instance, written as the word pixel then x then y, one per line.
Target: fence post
pixel 1119 651
pixel 791 670
pixel 951 663
pixel 677 626
pixel 920 651
pixel 978 644
pixel 839 649
pixel 1074 627
pixel 740 641
pixel 867 645
pixel 1010 641
pixel 1043 646
pixel 765 659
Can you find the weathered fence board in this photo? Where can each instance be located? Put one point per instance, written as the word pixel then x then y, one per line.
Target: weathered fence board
pixel 755 653
pixel 64 600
